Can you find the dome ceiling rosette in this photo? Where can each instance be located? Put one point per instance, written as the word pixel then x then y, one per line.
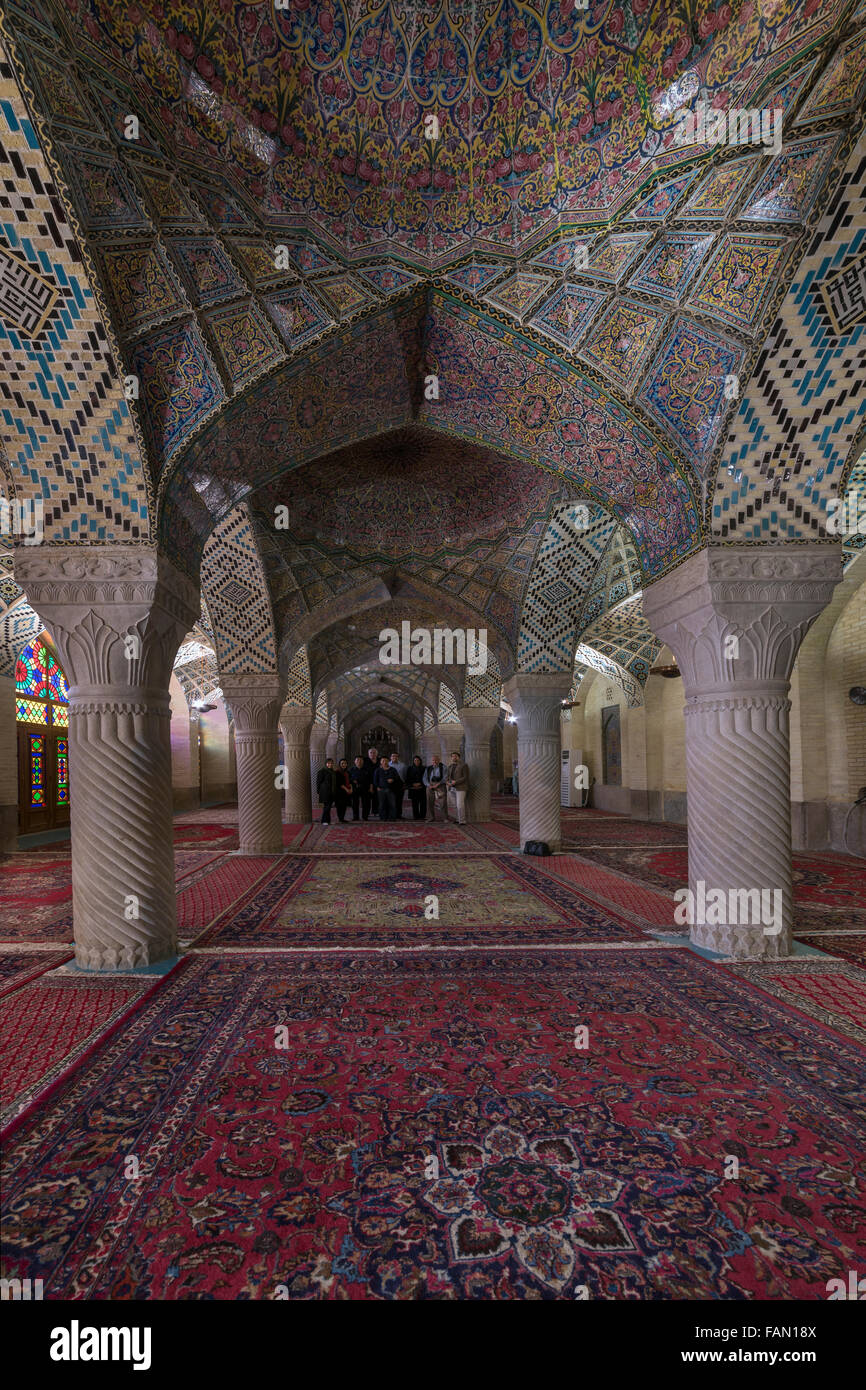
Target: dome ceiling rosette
pixel 546 111
pixel 610 373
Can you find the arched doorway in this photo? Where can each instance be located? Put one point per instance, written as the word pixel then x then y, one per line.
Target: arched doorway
pixel 42 716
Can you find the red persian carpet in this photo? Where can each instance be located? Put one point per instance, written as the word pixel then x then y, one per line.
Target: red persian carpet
pixel 35 891
pixel 828 888
pixel 850 945
pixel 833 991
pixel 614 890
pixel 368 901
pixel 375 837
pixel 46 1026
pixel 215 892
pixel 423 1126
pixel 19 967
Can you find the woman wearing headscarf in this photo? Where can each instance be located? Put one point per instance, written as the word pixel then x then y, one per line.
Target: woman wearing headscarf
pixel 416 789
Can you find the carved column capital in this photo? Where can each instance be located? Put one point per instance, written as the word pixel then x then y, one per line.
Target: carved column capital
pixel 537 700
pixel 296 722
pixel 319 734
pixel 736 615
pixel 255 701
pixel 117 615
pixel 478 724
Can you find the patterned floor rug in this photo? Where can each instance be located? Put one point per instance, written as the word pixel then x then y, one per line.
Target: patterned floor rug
pixel 208 835
pixel 370 901
pixel 378 837
pixel 34 892
pixel 828 888
pixel 228 884
pixel 47 1026
pixel 19 967
pixel 833 991
pixel 643 904
pixel 849 946
pixel 423 1126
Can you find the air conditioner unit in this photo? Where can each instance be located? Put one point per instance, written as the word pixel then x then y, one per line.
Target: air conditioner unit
pixel 569 795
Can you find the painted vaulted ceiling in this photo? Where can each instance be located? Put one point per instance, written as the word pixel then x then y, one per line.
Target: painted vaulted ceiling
pixel 237 207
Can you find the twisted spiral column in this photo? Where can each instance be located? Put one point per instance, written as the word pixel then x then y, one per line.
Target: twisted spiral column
pixel 123 880
pixel 295 724
pixel 739 819
pixel 734 617
pixel 537 704
pixel 478 725
pixel 256 708
pixel 319 735
pixel 117 615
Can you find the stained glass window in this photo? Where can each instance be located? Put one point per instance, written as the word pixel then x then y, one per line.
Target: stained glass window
pixel 31 712
pixel 62 772
pixel 38 677
pixel 37 770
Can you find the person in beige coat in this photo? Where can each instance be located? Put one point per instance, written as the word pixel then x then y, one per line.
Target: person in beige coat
pixel 458 783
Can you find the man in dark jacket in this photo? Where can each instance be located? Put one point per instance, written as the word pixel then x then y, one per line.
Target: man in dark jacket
pixel 372 761
pixel 381 781
pixel 361 777
pixel 396 788
pixel 326 789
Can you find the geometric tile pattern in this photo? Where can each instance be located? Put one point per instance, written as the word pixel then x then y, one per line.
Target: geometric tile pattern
pixel 245 342
pixel 626 638
pixel 796 425
pixel 671 265
pixel 788 190
pixel 567 314
pixel 739 279
pixel 622 340
pixel 179 385
pixel 587 658
pixel 691 385
pixel 298 691
pixel 63 414
pixel 233 585
pixel 573 543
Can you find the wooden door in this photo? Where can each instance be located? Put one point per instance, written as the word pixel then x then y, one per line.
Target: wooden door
pixel 43 778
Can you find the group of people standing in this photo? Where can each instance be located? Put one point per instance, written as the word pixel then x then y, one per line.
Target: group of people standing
pixel 377 786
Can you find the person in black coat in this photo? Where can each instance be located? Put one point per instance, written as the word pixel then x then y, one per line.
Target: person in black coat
pixel 396 788
pixel 416 789
pixel 381 781
pixel 344 789
pixel 326 789
pixel 372 762
pixel 361 777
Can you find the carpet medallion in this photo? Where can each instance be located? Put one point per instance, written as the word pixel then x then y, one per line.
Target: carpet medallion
pixel 371 901
pixel 422 1126
pixel 375 837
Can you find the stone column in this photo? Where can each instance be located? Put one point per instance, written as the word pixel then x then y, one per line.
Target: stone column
pixel 117 615
pixel 331 745
pixel 296 722
pixel 449 736
pixel 318 739
pixel 537 702
pixel 734 618
pixel 430 744
pixel 478 725
pixel 255 704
